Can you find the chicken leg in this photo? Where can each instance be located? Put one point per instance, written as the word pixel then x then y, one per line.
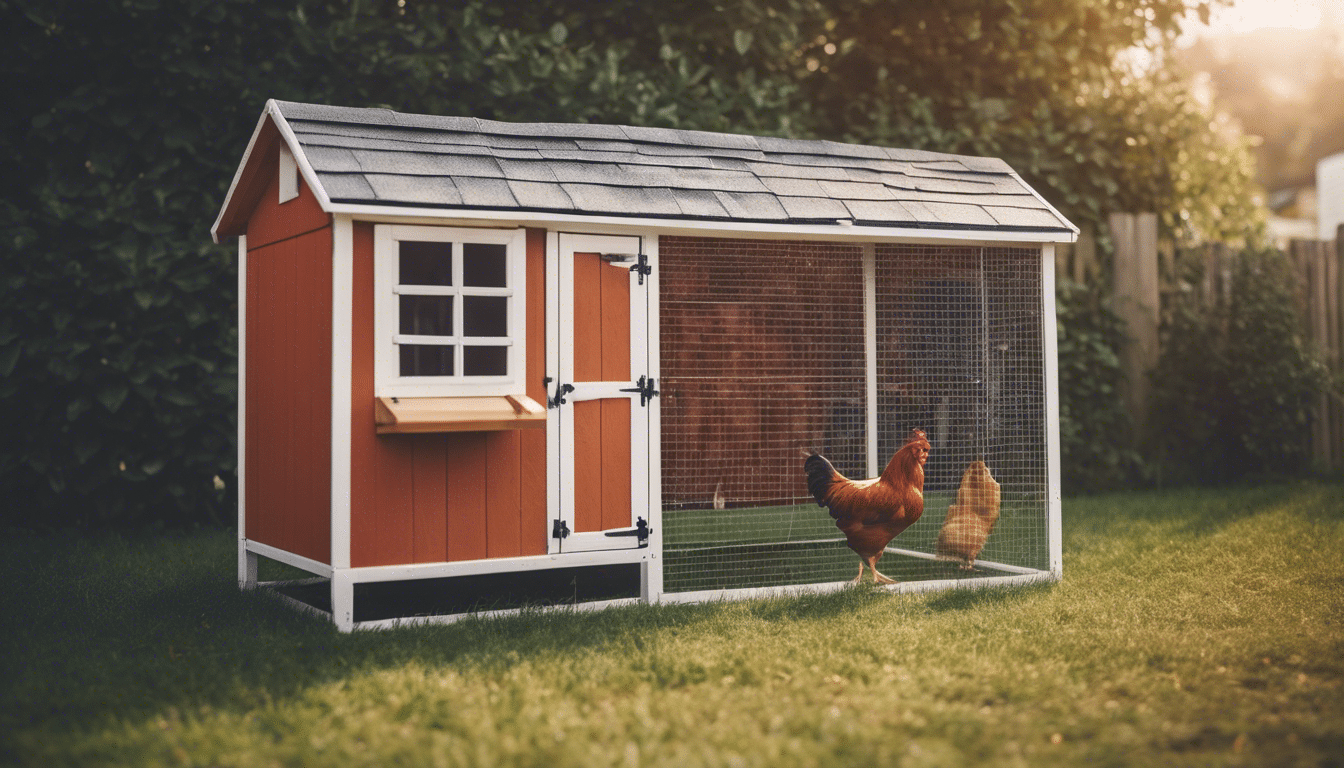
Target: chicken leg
pixel 877 577
pixel 871 563
pixel 859 579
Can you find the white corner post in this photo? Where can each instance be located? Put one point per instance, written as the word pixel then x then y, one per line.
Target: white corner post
pixel 1050 349
pixel 651 585
pixel 342 324
pixel 870 353
pixel 247 561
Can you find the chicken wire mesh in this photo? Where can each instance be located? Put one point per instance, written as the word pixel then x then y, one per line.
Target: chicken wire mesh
pixel 764 356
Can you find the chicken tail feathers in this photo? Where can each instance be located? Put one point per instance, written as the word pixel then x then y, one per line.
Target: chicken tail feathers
pixel 821 475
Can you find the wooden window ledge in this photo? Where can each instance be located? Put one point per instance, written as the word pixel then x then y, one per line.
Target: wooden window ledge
pixel 457 414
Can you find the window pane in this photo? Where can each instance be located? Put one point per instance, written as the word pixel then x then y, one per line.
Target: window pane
pixel 485 316
pixel 426 263
pixel 427 315
pixel 484 265
pixel 485 361
pixel 426 360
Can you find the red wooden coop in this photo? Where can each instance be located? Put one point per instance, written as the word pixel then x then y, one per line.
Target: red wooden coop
pixel 490 365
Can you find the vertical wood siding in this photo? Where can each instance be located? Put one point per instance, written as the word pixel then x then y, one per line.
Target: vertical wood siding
pixel 288 391
pixel 445 497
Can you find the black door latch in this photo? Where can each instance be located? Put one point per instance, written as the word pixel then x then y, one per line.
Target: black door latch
pixel 641 530
pixel 559 529
pixel 645 390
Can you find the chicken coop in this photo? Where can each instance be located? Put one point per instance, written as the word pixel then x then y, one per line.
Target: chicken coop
pixel 486 366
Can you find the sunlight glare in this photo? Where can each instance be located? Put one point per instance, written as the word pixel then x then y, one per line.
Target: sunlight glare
pixel 1246 15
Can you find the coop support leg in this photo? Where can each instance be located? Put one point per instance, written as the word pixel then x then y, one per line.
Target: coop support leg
pixel 247 567
pixel 649 591
pixel 343 600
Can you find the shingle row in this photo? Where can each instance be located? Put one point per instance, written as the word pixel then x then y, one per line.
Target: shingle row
pixel 378 156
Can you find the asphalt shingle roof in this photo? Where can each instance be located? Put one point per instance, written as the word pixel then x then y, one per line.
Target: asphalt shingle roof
pixel 381 157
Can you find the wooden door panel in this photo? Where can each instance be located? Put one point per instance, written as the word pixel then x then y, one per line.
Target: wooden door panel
pixel 588 331
pixel 614 292
pixel 602 465
pixel 588 463
pixel 615 452
pixel 601 320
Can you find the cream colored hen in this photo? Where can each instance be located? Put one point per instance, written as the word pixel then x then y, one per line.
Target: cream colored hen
pixel 971 518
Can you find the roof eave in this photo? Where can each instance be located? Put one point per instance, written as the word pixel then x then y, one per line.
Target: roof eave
pixel 238 175
pixel 738 227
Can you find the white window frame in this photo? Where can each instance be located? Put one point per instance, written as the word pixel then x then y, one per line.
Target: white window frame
pixel 388 381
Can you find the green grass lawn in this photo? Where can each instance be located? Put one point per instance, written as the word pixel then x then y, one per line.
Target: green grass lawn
pixel 1191 628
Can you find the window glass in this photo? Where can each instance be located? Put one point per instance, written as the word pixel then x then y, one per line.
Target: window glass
pixel 484 265
pixel 485 361
pixel 426 360
pixel 485 316
pixel 426 315
pixel 426 263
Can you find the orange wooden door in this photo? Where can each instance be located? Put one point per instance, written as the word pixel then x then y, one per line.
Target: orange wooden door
pixel 602 448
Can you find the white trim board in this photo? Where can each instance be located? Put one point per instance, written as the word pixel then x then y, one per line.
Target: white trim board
pixel 247 566
pixel 342 362
pixel 289 558
pixel 238 175
pixel 900 588
pixel 301 159
pixel 415 571
pixel 630 224
pixel 1050 353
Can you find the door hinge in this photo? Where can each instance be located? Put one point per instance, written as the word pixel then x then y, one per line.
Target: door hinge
pixel 645 390
pixel 559 529
pixel 642 268
pixel 641 530
pixel 560 391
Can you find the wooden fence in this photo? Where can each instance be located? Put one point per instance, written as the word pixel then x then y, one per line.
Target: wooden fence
pixel 1143 270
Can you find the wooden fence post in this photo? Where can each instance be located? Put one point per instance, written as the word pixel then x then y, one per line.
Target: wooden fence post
pixel 1137 302
pixel 1318 273
pixel 1085 254
pixel 1336 353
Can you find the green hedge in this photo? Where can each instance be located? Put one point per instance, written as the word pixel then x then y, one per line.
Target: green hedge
pixel 1094 429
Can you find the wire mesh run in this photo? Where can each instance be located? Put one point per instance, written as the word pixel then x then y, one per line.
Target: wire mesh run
pixel 960 354
pixel 765 351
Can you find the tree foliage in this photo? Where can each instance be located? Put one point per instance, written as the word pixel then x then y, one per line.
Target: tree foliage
pixel 126 120
pixel 1079 96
